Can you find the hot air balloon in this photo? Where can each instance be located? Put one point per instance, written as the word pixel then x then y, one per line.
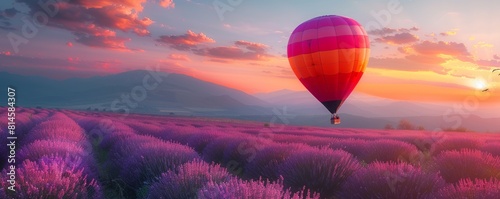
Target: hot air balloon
pixel 329 54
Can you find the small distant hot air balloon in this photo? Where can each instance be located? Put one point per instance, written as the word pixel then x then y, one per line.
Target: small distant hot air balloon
pixel 329 54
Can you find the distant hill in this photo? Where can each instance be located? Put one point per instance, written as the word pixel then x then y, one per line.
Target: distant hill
pixel 176 94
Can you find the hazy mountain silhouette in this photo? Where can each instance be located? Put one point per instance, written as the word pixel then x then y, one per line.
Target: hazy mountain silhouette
pixel 178 94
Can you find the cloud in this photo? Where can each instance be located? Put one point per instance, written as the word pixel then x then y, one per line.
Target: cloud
pixel 483 44
pixel 6 53
pixel 280 73
pixel 179 57
pixel 449 33
pixel 69 44
pixel 257 47
pixel 57 68
pixel 399 38
pixel 96 21
pixel 8 13
pixel 111 42
pixel 167 3
pixel 496 57
pixel 185 41
pixel 441 47
pixel 241 50
pixel 175 67
pixel 488 63
pixel 406 64
pixel 387 31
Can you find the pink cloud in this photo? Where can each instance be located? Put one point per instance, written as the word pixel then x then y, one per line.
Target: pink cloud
pixel 257 47
pixel 96 21
pixel 57 68
pixel 73 59
pixel 185 41
pixel 488 63
pixel 69 44
pixel 175 67
pixel 242 50
pixel 387 31
pixel 179 57
pixel 167 3
pixel 111 42
pixel 7 53
pixel 496 57
pixel 407 64
pixel 441 47
pixel 399 38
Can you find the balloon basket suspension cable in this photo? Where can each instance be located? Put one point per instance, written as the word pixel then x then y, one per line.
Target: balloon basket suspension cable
pixel 335 119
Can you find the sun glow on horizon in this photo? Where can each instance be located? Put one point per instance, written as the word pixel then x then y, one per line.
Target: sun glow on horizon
pixel 480 84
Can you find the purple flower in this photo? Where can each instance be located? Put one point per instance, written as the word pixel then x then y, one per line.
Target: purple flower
pixel 391 180
pixel 320 170
pixel 237 188
pixel 456 143
pixel 467 188
pixel 53 178
pixel 266 161
pixel 149 161
pixel 187 179
pixel 387 150
pixel 466 163
pixel 39 148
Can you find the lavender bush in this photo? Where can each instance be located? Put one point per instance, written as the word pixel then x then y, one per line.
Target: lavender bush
pixel 391 180
pixel 321 170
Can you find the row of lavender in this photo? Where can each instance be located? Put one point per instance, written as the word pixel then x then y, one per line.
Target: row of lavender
pixel 52 160
pixel 142 156
pixel 61 160
pixel 136 165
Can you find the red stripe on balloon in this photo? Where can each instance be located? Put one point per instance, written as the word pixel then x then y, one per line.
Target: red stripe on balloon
pixel 341 85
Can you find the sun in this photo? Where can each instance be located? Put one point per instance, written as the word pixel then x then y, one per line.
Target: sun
pixel 480 84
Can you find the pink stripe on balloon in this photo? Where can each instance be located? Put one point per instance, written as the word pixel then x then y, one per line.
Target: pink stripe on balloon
pixel 328 43
pixel 327 31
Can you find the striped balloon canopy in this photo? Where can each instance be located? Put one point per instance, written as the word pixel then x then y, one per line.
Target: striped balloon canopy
pixel 329 54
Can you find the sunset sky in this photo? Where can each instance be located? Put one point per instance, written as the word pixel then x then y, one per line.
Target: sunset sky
pixel 420 50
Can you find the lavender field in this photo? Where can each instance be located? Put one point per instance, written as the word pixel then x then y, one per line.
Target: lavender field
pixel 73 154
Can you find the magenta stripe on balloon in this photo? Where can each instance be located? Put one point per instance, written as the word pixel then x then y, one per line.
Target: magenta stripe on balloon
pixel 325 44
pixel 326 31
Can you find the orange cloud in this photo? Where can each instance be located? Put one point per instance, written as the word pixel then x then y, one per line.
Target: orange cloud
pixel 185 41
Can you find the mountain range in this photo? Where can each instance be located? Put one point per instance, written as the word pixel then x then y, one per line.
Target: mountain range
pixel 183 95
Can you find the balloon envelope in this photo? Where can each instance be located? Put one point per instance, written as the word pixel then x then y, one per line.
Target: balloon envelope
pixel 329 54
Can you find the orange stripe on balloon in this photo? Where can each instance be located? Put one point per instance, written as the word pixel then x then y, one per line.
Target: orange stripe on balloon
pixel 332 62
